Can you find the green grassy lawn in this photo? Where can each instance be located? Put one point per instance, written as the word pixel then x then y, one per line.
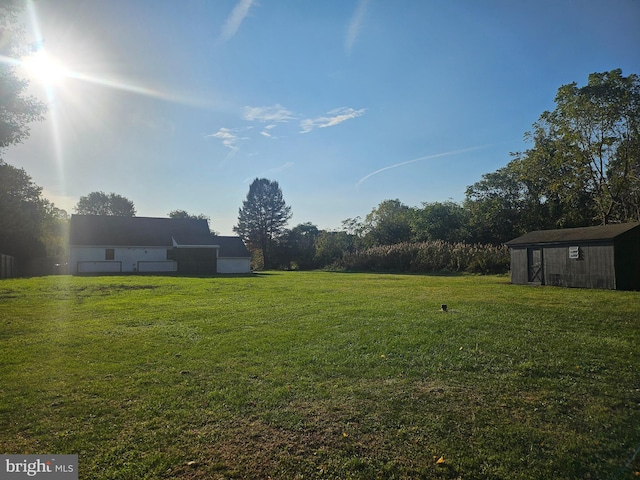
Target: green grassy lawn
pixel 321 375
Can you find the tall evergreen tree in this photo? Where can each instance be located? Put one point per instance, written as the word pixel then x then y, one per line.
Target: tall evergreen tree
pixel 263 216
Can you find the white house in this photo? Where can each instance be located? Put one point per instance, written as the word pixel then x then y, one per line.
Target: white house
pixel 109 244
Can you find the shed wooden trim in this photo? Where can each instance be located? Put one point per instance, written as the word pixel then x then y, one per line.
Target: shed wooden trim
pixel 601 233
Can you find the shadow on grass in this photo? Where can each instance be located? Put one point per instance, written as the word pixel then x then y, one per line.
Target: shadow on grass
pixel 169 275
pixel 398 272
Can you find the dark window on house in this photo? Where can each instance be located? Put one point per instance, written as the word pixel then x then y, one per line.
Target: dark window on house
pixel 171 254
pixel 109 254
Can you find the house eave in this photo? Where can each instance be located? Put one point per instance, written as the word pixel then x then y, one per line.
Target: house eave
pixel 146 247
pixel 120 246
pixel 562 243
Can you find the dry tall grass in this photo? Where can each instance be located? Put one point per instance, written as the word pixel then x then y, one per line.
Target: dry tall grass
pixel 430 257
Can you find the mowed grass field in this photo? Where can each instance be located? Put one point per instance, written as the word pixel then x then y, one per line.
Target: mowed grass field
pixel 321 375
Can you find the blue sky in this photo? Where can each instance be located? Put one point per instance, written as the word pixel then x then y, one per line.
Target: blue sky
pixel 180 105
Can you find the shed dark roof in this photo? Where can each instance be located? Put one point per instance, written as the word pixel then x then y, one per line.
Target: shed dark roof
pixel 565 235
pixel 103 230
pixel 231 247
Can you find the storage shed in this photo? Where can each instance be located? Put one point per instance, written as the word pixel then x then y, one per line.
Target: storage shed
pixel 108 244
pixel 606 257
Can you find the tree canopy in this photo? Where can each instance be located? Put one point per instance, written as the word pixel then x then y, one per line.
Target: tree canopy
pixel 595 132
pixel 24 214
pixel 27 219
pixel 17 109
pixel 583 168
pixel 100 203
pixel 389 223
pixel 263 216
pixel 187 215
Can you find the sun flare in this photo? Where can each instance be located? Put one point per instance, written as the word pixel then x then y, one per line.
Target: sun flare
pixel 45 68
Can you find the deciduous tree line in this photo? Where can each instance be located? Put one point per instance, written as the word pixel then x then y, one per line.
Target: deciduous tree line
pixel 582 169
pixel 393 236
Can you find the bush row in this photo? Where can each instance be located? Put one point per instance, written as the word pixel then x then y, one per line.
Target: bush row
pixel 430 257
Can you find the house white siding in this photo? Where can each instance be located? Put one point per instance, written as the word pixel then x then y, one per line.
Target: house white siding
pixel 234 265
pixel 87 266
pixel 111 244
pixel 157 266
pixel 125 259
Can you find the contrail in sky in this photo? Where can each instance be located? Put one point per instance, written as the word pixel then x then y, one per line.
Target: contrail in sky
pixel 238 14
pixel 437 155
pixel 354 26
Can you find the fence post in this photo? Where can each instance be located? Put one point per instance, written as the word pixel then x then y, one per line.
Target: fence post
pixel 7 266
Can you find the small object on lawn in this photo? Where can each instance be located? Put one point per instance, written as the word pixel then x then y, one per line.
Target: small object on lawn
pixel 192 463
pixel 443 307
pixel 440 461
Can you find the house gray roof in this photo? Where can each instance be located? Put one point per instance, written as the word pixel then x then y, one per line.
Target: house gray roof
pixel 111 231
pixel 103 230
pixel 565 235
pixel 231 247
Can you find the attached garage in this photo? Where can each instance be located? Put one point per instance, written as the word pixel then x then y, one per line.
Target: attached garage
pixel 233 256
pixel 606 257
pixel 196 259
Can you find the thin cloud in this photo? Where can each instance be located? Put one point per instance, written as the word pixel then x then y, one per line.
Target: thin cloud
pixel 239 13
pixel 269 172
pixel 265 132
pixel 331 119
pixel 274 113
pixel 428 157
pixel 353 30
pixel 231 139
pixel 228 137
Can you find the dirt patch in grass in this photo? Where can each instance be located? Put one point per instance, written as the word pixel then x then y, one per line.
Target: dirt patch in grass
pixel 254 448
pixel 313 439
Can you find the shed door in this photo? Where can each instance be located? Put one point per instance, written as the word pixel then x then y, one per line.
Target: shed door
pixel 534 261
